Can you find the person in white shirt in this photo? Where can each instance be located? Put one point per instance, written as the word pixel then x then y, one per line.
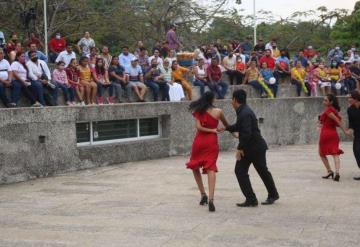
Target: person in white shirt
pixel 40 77
pixel 85 44
pixel 126 57
pixel 157 57
pixel 135 77
pixel 5 78
pixel 176 92
pixel 66 56
pixel 229 64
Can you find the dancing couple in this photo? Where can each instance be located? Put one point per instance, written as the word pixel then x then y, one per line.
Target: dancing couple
pixel 251 148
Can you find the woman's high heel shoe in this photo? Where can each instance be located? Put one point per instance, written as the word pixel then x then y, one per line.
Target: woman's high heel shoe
pixel 211 205
pixel 204 200
pixel 337 177
pixel 330 174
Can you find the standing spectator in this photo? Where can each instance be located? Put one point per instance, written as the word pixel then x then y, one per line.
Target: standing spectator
pixel 5 79
pixel 139 45
pixel 106 56
pixel 143 58
pixel 33 40
pixel 164 50
pixel 12 54
pixel 247 46
pixel 126 57
pixel 61 81
pixel 155 81
pixel 157 57
pixel 94 54
pixel 87 81
pixel 135 78
pixel 260 47
pixel 84 45
pixel 66 56
pixel 73 75
pixel 268 59
pixel 229 64
pixel 21 82
pixel 56 45
pixel 179 75
pixel 2 40
pixel 336 54
pixel 282 68
pixel 310 52
pixel 268 45
pixel 39 54
pixel 176 92
pixel 274 50
pixel 101 77
pixel 200 76
pixel 301 58
pixel 214 75
pixel 40 77
pixel 268 75
pixel 298 76
pixel 118 79
pixel 172 39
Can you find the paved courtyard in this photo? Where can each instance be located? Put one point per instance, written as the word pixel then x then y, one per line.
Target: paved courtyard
pixel 155 203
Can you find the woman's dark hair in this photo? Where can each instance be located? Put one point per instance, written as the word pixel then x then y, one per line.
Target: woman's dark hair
pixel 100 70
pixel 172 65
pixel 71 61
pixel 333 101
pixel 60 62
pixel 240 96
pixel 355 95
pixel 113 59
pixel 23 64
pixel 203 104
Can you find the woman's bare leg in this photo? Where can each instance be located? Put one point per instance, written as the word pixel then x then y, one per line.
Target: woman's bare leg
pixel 337 163
pixel 325 161
pixel 199 182
pixel 211 181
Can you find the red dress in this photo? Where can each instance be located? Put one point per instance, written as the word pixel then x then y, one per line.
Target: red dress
pixel 205 148
pixel 329 138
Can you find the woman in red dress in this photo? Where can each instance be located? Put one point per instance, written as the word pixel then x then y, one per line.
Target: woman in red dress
pixel 329 138
pixel 205 148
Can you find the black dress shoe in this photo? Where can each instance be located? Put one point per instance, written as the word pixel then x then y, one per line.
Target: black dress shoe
pixel 211 205
pixel 357 178
pixel 270 200
pixel 248 204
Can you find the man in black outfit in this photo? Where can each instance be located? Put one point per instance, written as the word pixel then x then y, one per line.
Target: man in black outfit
pixel 354 124
pixel 251 150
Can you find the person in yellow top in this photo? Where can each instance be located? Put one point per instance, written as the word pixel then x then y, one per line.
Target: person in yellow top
pixel 87 81
pixel 298 75
pixel 334 72
pixel 321 75
pixel 179 74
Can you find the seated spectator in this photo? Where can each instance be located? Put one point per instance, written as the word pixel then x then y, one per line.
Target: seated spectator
pixel 12 43
pixel 106 56
pixel 253 57
pixel 301 58
pixel 268 75
pixel 239 53
pixel 334 73
pixel 135 78
pixel 282 66
pixel 241 68
pixel 298 76
pixel 118 79
pixel 200 76
pixel 39 54
pixel 252 78
pixel 34 40
pixel 87 81
pixel 260 48
pixel 66 56
pixel 2 40
pixel 5 80
pixel 176 92
pixel 247 46
pixel 21 82
pixel 157 57
pixel 143 58
pixel 171 56
pixel 84 45
pixel 347 80
pixel 73 75
pixel 139 45
pixel 40 77
pixel 229 64
pixel 60 79
pixel 94 54
pixel 311 78
pixel 275 52
pixel 336 54
pixel 268 59
pixel 321 76
pixel 56 45
pixel 126 57
pixel 214 79
pixel 155 81
pixel 101 77
pixel 309 52
pixel 157 46
pixel 179 75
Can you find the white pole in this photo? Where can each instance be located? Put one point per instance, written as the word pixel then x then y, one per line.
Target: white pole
pixel 45 28
pixel 255 23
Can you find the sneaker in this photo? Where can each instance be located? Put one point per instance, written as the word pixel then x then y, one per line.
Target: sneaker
pixel 110 100
pixel 12 105
pixel 100 100
pixel 68 103
pixel 37 104
pixel 82 103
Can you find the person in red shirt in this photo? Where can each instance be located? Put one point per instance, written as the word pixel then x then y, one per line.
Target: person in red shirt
pixel 11 46
pixel 56 45
pixel 268 59
pixel 309 52
pixel 214 83
pixel 34 40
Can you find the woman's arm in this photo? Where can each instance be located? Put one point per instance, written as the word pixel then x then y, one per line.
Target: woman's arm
pixel 107 77
pixel 223 119
pixel 337 121
pixel 203 129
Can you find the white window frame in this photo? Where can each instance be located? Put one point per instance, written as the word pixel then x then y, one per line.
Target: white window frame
pixel 138 138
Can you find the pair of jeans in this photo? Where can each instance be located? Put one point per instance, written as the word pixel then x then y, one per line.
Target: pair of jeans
pixel 201 84
pixel 156 87
pixel 3 96
pixel 17 87
pixel 274 88
pixel 68 92
pixel 218 87
pixel 102 87
pixel 242 174
pixel 255 84
pixel 37 90
pixel 234 75
pixel 299 87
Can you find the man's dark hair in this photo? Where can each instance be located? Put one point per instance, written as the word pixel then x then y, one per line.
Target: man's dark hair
pixel 32 52
pixel 126 47
pixel 240 96
pixel 142 49
pixel 355 95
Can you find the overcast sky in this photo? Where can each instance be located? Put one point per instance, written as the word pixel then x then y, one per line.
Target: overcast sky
pixel 285 8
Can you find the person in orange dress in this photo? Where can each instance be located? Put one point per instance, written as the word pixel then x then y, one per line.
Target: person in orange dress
pixel 179 73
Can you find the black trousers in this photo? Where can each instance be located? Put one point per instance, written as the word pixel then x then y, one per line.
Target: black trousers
pixel 356 150
pixel 234 75
pixel 242 175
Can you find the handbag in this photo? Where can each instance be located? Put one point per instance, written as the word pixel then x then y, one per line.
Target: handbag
pixel 43 75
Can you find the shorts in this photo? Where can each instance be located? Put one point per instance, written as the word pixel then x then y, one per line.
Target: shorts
pixel 324 84
pixel 136 84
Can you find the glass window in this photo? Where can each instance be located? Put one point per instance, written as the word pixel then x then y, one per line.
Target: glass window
pixel 83 132
pixel 114 130
pixel 149 127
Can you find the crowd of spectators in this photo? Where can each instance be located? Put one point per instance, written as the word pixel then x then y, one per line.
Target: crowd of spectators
pixel 85 76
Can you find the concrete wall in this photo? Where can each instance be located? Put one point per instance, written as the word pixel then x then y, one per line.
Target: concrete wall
pixel 24 157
